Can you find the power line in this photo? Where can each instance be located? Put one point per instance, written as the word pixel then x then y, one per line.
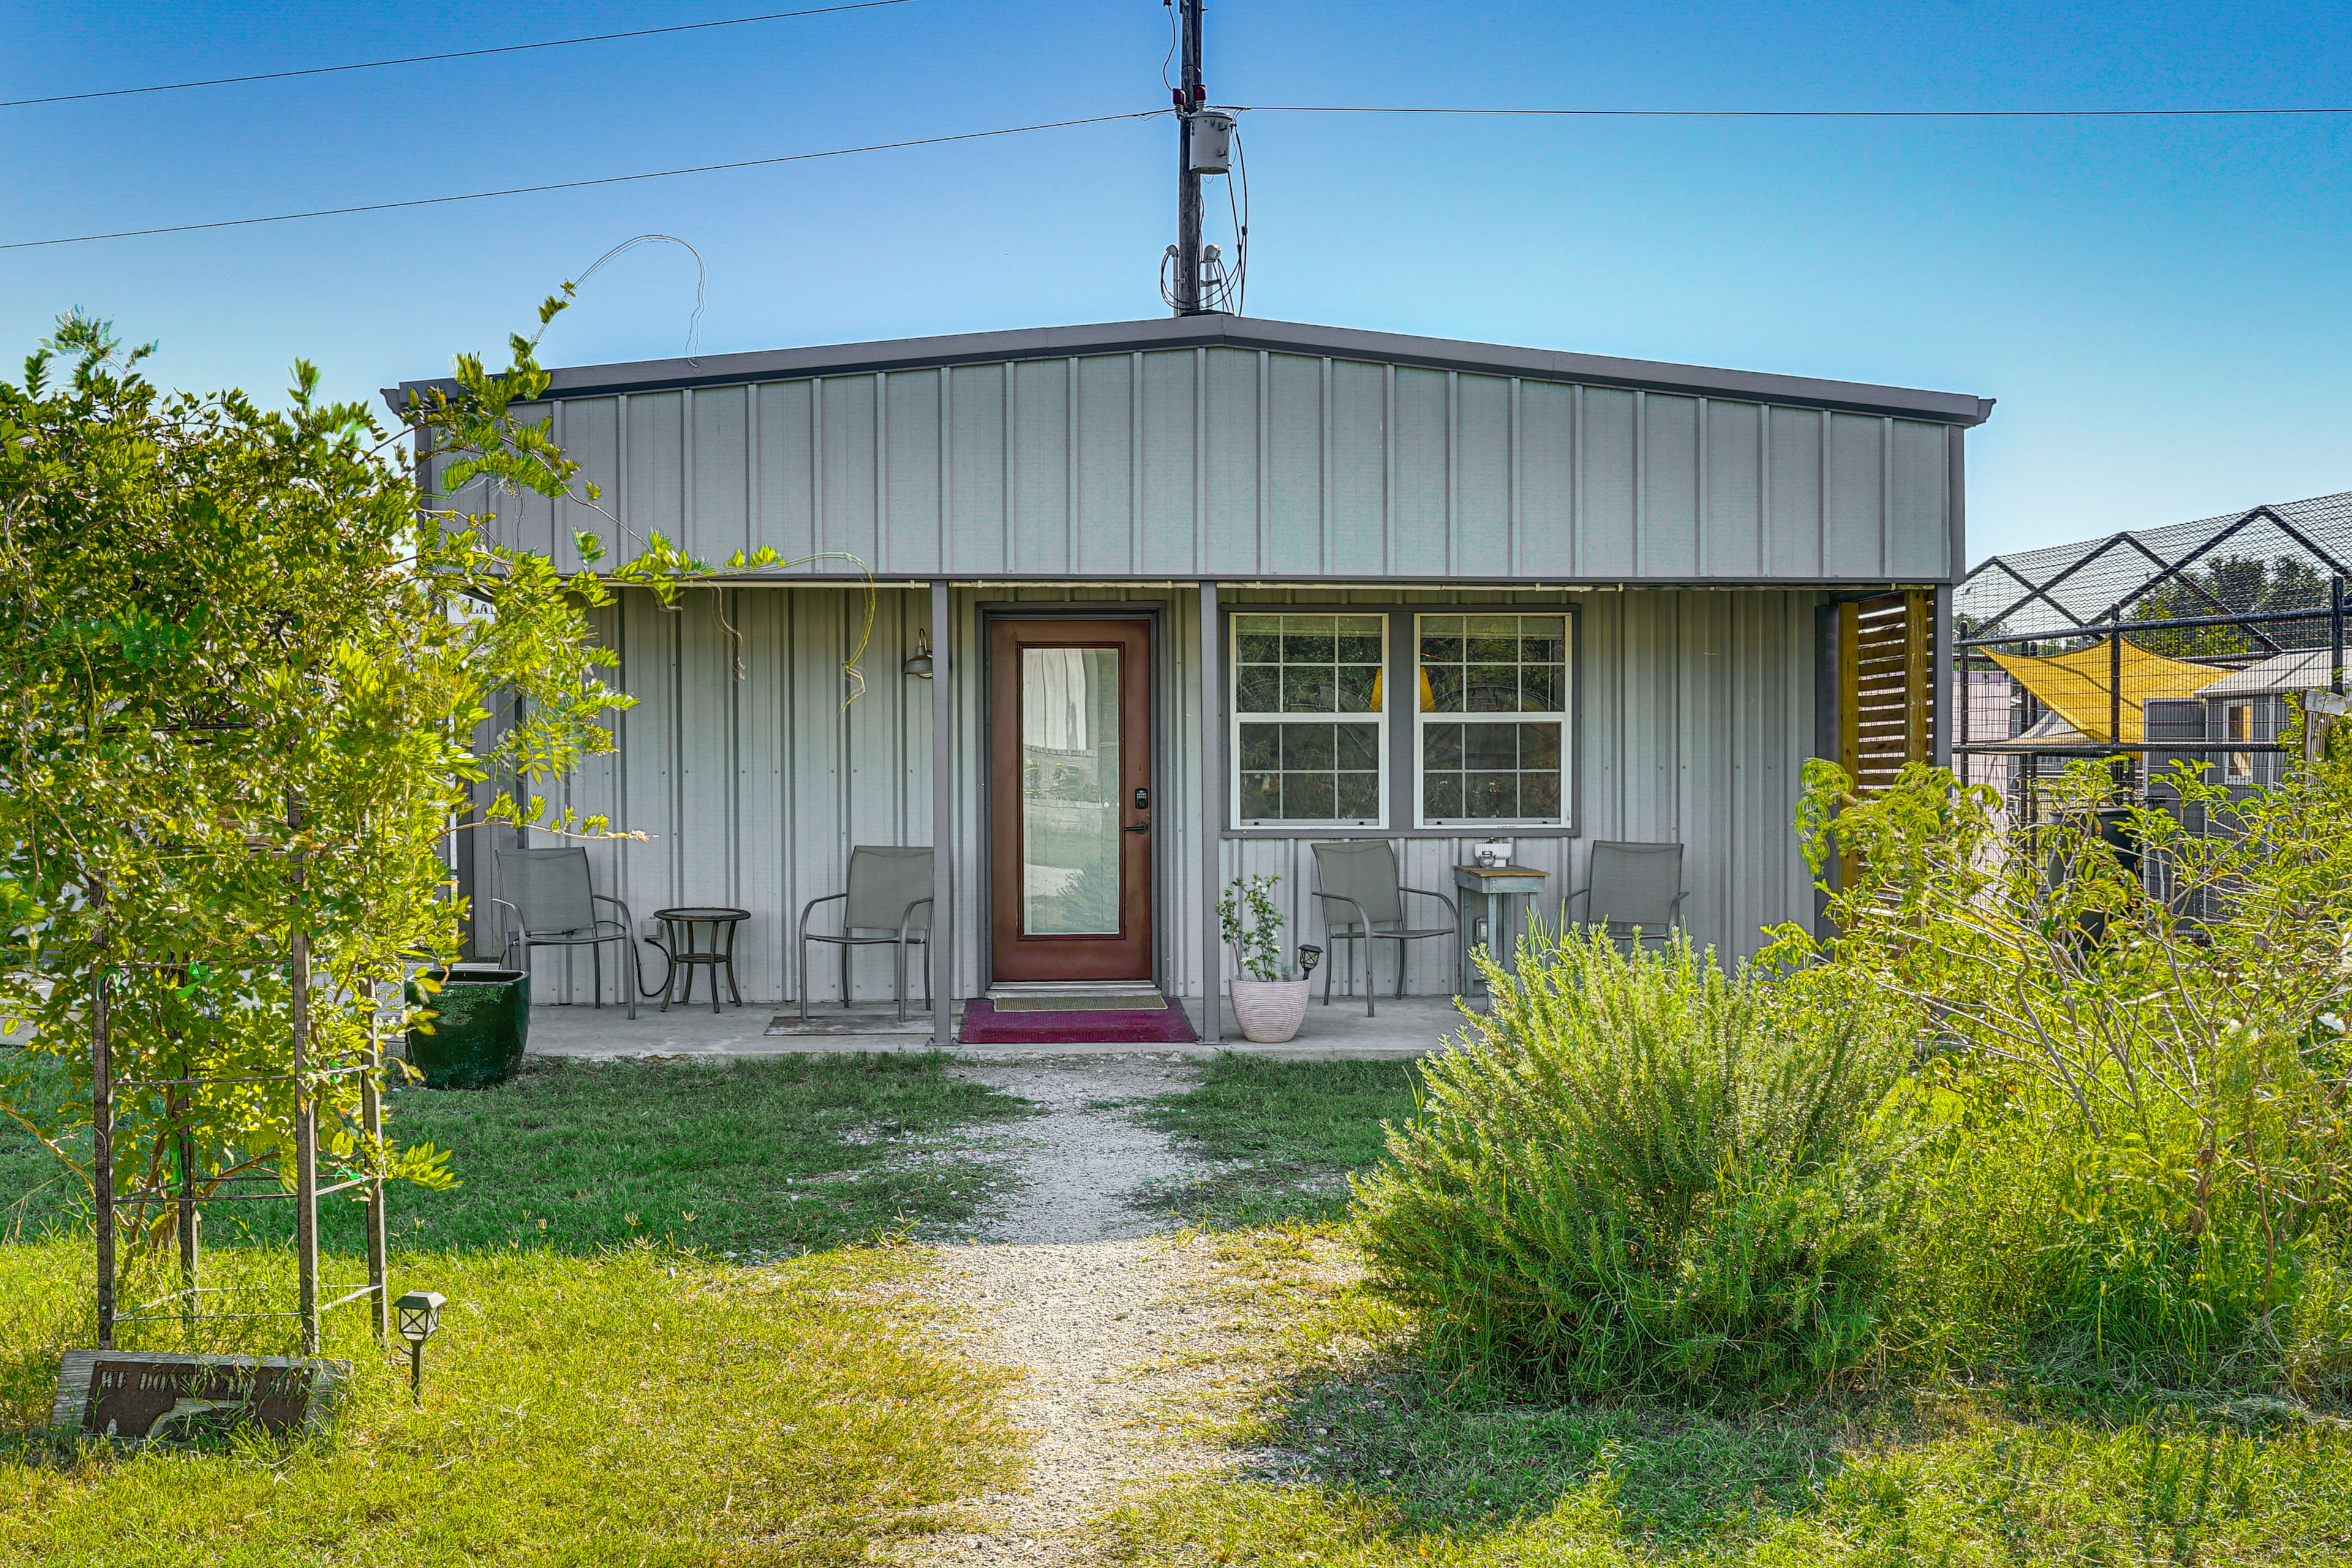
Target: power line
pixel 1786 114
pixel 580 185
pixel 1141 114
pixel 453 55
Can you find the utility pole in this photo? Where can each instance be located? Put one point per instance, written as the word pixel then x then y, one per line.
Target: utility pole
pixel 1189 96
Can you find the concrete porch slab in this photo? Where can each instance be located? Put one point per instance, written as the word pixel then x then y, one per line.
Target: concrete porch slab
pixel 1405 1027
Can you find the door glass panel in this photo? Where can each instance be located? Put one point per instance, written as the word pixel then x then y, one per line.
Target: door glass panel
pixel 1069 791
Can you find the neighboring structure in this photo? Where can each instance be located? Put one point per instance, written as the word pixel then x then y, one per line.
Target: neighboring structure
pixel 2251 705
pixel 2224 616
pixel 1200 592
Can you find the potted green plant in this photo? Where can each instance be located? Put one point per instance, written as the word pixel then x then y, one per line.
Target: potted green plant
pixel 479 1022
pixel 1269 998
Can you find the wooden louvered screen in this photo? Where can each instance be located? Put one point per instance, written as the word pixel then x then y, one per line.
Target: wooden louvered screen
pixel 1886 662
pixel 1885 675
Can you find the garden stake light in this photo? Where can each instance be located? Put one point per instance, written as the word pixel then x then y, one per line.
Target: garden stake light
pixel 420 1314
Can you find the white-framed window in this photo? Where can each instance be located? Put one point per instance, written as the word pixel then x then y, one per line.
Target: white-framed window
pixel 2240 726
pixel 1309 741
pixel 1491 734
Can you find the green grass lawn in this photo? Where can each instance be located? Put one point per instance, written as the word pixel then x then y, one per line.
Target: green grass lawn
pixel 609 1387
pixel 636 1407
pixel 778 1155
pixel 1286 1135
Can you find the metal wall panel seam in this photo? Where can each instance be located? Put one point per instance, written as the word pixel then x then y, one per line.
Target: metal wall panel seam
pixel 1264 454
pixel 1513 558
pixel 732 649
pixel 1955 519
pixel 1070 464
pixel 621 508
pixel 690 522
pixel 674 740
pixel 944 922
pixel 558 515
pixel 1703 496
pixel 816 466
pixel 1453 471
pixel 1387 468
pixel 1822 499
pixel 1200 459
pixel 882 472
pixel 790 864
pixel 1135 461
pixel 1887 496
pixel 1641 475
pixel 1323 496
pixel 1575 479
pixel 947 486
pixel 754 526
pixel 1210 816
pixel 622 750
pixel 1011 456
pixel 1763 486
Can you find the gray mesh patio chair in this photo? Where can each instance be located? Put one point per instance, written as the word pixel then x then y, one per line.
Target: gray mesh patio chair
pixel 1634 892
pixel 549 903
pixel 1357 879
pixel 888 888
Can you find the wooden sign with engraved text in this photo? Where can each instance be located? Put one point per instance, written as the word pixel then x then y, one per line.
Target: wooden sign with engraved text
pixel 145 1396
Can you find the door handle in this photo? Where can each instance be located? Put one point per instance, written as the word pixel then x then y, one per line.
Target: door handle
pixel 1136 827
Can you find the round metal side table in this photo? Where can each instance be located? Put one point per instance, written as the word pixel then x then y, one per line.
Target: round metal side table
pixel 681 944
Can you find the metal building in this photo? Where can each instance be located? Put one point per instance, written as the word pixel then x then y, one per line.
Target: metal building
pixel 1203 591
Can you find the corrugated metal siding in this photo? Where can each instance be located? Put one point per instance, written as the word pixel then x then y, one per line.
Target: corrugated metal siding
pixel 749 780
pixel 1239 463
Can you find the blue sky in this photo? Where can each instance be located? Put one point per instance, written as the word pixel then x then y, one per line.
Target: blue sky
pixel 2161 306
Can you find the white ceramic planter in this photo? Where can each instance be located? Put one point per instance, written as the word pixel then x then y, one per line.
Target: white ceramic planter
pixel 1269 1010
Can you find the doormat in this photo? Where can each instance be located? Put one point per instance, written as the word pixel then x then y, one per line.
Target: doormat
pixel 1082 1002
pixel 984 1025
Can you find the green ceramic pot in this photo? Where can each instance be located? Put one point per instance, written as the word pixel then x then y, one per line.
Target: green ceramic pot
pixel 483 1023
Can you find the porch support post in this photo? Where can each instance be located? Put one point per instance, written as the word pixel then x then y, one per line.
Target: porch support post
pixel 1212 779
pixel 941 951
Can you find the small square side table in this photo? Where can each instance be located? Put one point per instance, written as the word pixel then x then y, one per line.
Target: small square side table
pixel 1496 887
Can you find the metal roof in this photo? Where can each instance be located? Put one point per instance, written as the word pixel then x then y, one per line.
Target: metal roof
pixel 1961 409
pixel 2310 670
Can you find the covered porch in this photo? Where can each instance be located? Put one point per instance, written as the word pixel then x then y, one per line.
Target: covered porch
pixel 752 776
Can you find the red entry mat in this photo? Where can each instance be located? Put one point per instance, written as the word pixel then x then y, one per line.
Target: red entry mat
pixel 984 1025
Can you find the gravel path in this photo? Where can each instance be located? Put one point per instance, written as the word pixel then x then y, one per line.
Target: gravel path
pixel 1072 1285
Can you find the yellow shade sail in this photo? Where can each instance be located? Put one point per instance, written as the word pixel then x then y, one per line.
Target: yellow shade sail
pixel 2079 687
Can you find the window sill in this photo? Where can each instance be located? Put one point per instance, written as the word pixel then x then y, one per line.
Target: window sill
pixel 1305 831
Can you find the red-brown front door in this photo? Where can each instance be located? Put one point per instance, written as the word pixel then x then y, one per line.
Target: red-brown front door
pixel 1069 768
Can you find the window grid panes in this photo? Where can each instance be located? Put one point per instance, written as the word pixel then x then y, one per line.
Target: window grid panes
pixel 1308 736
pixel 1492 720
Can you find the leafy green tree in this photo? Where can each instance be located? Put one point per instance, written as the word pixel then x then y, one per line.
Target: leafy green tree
pixel 2233 582
pixel 243 656
pixel 2138 1074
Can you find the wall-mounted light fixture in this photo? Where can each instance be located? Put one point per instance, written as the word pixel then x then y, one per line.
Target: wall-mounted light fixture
pixel 918 664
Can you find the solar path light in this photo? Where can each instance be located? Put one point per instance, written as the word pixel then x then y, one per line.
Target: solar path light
pixel 420 1314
